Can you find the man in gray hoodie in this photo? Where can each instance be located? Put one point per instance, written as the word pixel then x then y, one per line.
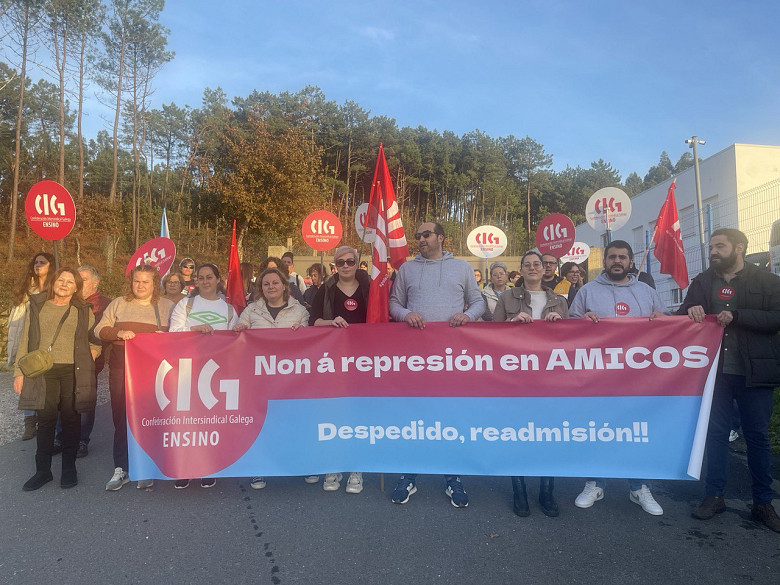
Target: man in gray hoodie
pixel 435 286
pixel 616 292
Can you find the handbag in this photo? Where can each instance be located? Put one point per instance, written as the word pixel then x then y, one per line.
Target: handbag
pixel 39 361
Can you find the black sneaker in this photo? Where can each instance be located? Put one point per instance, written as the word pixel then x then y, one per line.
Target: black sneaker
pixel 208 482
pixel 403 490
pixel 457 494
pixel 83 450
pixel 181 484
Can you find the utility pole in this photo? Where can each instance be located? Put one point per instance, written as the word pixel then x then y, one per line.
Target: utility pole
pixel 693 143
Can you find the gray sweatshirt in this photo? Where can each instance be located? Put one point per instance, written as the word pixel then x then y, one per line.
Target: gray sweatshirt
pixel 611 299
pixel 437 289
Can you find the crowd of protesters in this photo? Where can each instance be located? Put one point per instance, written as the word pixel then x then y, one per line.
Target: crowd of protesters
pixel 61 328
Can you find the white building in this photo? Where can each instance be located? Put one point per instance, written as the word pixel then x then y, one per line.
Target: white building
pixel 740 188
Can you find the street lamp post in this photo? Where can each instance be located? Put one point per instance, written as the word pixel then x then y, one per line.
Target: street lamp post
pixel 693 142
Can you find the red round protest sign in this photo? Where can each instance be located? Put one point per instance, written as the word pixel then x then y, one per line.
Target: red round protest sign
pixel 159 252
pixel 50 210
pixel 622 309
pixel 555 235
pixel 321 230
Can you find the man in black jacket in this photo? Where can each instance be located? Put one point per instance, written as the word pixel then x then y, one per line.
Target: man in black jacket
pixel 746 301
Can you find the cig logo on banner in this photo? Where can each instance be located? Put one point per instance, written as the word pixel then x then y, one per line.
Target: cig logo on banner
pixel 228 387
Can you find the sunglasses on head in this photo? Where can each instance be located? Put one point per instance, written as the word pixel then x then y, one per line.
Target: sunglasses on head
pixel 346 262
pixel 426 234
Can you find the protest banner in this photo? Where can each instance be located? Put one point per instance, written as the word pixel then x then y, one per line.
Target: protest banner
pixel 623 397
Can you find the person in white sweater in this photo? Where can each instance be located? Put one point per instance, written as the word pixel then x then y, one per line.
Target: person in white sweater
pixel 206 309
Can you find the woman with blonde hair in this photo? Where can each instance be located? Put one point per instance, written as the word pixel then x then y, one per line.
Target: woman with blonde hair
pixel 341 301
pixel 140 310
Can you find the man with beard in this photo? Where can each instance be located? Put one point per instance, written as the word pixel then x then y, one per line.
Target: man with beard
pixel 746 301
pixel 616 292
pixel 434 286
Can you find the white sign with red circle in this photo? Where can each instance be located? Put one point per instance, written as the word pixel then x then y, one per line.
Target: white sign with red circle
pixel 366 235
pixel 50 210
pixel 321 230
pixel 555 235
pixel 726 293
pixel 486 241
pixel 579 252
pixel 159 252
pixel 609 205
pixel 622 309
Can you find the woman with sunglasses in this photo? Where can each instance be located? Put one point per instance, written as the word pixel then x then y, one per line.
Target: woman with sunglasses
pixel 524 304
pixel 172 284
pixel 341 301
pixel 571 283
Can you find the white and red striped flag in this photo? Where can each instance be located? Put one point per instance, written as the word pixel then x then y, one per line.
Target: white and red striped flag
pixel 389 243
pixel 668 241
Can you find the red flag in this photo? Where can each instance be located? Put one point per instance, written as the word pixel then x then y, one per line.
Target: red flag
pixel 235 284
pixel 668 241
pixel 385 217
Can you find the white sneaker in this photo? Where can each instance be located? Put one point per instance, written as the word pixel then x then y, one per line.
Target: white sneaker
pixel 644 498
pixel 257 483
pixel 355 483
pixel 311 478
pixel 332 482
pixel 733 436
pixel 145 484
pixel 117 480
pixel 589 495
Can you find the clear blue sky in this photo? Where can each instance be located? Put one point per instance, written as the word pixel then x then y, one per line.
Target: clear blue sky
pixel 619 80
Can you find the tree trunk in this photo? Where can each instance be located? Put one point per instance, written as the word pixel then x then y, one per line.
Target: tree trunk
pixel 112 194
pixel 18 137
pixel 80 113
pixel 61 71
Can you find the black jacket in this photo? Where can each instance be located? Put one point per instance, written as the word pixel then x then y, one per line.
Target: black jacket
pixel 322 306
pixel 756 323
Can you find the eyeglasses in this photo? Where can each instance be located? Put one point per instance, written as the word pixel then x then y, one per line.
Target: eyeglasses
pixel 549 263
pixel 347 262
pixel 190 266
pixel 534 265
pixel 426 234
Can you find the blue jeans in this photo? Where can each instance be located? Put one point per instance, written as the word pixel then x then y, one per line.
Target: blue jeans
pixel 755 407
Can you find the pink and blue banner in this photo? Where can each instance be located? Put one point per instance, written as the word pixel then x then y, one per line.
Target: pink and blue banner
pixel 623 397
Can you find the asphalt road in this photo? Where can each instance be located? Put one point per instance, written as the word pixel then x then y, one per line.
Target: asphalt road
pixel 292 532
